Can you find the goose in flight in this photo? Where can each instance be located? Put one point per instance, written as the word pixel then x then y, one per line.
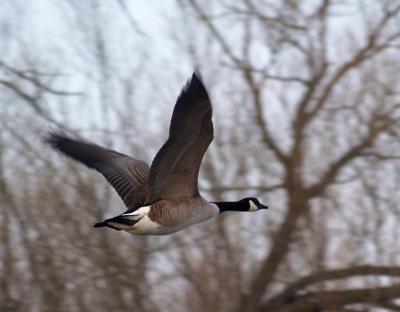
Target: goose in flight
pixel 162 198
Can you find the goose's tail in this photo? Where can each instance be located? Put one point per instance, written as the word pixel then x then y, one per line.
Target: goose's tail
pixel 105 224
pixel 121 222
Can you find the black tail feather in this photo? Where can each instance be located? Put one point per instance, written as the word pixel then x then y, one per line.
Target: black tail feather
pixel 121 219
pixel 100 224
pixel 105 224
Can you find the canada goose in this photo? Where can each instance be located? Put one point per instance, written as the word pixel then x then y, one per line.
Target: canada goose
pixel 163 198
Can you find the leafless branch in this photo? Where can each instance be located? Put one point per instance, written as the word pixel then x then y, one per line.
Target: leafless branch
pixel 129 17
pixel 323 276
pixel 243 188
pixel 339 298
pixel 33 78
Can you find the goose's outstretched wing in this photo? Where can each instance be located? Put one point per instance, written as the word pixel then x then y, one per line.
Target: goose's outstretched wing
pixel 127 175
pixel 174 171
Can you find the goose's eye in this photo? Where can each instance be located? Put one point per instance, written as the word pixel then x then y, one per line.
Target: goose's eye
pixel 253 206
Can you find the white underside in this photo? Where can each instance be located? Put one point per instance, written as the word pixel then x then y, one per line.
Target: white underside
pixel 145 225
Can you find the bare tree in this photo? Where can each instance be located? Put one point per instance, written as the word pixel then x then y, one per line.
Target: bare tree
pixel 339 122
pixel 306 112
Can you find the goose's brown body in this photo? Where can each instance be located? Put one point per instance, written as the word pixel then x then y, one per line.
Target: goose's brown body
pixel 166 217
pixel 164 197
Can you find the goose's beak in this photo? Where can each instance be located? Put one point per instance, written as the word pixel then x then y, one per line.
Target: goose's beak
pixel 262 206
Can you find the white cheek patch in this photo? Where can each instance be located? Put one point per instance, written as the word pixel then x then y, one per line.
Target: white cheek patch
pixel 253 206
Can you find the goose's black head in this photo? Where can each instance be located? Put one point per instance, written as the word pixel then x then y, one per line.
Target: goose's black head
pixel 245 204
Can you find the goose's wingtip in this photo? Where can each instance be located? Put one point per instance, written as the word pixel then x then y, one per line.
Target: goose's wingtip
pixel 196 74
pixel 53 137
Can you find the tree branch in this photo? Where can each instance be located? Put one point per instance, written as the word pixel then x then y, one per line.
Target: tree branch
pixel 323 276
pixel 325 300
pixel 352 153
pixel 36 82
pixel 243 188
pixel 371 49
pixel 125 10
pixel 33 102
pixel 207 21
pixel 267 138
pixel 280 247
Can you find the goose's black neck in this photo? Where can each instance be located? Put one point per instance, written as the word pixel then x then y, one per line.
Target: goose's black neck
pixel 232 206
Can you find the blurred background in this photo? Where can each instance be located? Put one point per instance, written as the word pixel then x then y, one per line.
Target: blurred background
pixel 306 98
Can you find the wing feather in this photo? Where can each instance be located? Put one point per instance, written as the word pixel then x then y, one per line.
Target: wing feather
pixel 174 170
pixel 127 175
